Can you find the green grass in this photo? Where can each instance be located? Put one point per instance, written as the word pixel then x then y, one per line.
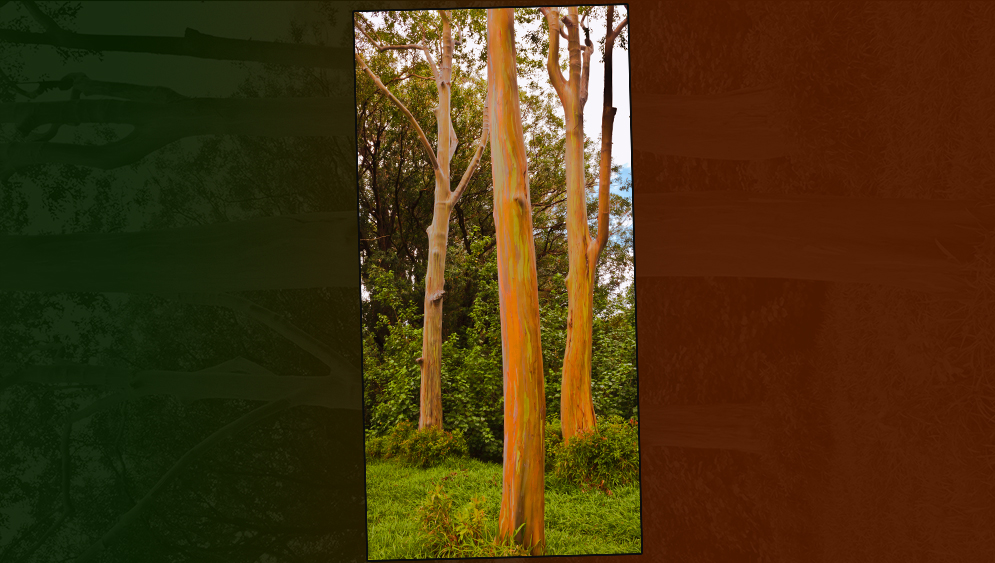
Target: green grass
pixel 576 522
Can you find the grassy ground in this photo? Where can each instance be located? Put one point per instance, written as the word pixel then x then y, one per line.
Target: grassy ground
pixel 576 522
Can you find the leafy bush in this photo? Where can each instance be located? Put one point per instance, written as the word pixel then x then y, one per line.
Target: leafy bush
pixel 417 448
pixel 431 446
pixel 605 458
pixel 459 534
pixel 554 439
pixel 472 379
pixel 391 377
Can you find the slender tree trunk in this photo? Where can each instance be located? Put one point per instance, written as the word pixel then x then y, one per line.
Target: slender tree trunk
pixel 523 496
pixel 740 125
pixel 576 403
pixel 284 252
pixel 430 413
pixel 922 245
pixel 723 427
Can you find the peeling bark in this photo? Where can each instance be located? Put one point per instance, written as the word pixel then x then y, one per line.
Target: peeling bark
pixel 523 488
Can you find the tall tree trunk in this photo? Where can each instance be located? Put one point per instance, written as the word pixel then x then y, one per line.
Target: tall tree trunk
pixel 284 252
pixel 576 403
pixel 740 125
pixel 430 412
pixel 523 496
pixel 922 245
pixel 723 427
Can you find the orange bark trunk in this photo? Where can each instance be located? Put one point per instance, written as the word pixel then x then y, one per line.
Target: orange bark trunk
pixel 576 403
pixel 523 496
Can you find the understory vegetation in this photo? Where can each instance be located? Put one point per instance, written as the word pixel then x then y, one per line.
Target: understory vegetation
pixel 450 508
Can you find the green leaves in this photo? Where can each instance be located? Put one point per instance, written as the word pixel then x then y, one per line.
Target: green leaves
pixel 603 459
pixel 416 448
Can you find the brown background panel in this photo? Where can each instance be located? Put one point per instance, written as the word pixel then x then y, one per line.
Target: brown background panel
pixel 818 418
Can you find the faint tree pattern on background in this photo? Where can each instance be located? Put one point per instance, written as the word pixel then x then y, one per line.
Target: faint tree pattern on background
pixel 123 445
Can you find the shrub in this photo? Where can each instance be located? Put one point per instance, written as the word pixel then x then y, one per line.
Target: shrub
pixel 605 458
pixel 554 439
pixel 418 448
pixel 459 534
pixel 431 446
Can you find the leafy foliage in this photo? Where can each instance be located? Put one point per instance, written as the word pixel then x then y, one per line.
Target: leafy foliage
pixel 418 448
pixel 605 458
pixel 459 534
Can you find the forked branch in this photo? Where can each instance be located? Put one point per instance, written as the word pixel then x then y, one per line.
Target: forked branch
pixel 414 122
pixel 553 60
pixel 485 132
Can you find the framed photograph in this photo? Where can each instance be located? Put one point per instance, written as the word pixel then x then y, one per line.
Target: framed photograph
pixel 499 349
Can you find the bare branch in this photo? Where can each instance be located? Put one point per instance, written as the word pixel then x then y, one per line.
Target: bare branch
pixel 421 134
pixel 607 124
pixel 618 28
pixel 339 367
pixel 475 161
pixel 42 18
pixel 431 60
pixel 9 83
pixel 83 85
pixel 381 47
pixel 192 44
pixel 405 77
pixel 585 72
pixel 552 62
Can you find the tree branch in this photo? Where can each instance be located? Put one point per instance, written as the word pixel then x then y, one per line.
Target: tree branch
pixel 82 84
pixel 618 29
pixel 160 123
pixel 607 124
pixel 42 18
pixel 552 61
pixel 130 149
pixel 485 132
pixel 192 44
pixel 421 134
pixel 340 368
pixel 420 46
pixel 585 72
